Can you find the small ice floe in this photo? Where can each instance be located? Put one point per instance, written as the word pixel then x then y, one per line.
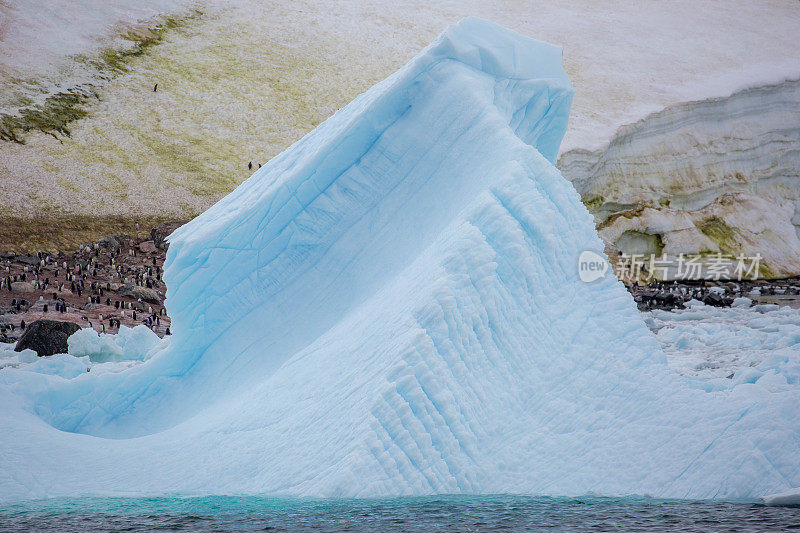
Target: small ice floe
pixel 789 498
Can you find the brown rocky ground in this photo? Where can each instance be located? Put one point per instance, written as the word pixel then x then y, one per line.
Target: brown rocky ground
pixel 30 235
pixel 105 284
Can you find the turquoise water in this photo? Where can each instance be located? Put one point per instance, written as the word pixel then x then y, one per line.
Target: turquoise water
pixel 435 513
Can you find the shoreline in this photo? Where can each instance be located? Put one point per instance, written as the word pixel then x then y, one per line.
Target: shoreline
pixel 113 282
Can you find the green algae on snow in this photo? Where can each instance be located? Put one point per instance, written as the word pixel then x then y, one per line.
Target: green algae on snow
pixel 58 110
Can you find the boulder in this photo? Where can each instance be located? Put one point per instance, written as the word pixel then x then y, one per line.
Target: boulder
pixel 162 231
pixel 27 260
pixel 46 337
pixel 147 247
pixel 109 243
pixel 22 286
pixel 135 291
pixel 714 299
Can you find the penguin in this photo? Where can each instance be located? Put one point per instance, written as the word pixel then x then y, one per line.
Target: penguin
pixel 155 87
pixel 250 165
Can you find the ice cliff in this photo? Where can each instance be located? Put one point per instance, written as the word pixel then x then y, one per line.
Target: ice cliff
pixel 392 306
pixel 718 175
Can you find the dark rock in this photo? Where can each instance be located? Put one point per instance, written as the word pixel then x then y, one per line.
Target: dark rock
pixel 28 259
pixel 669 300
pixel 109 243
pixel 47 337
pixel 162 231
pixel 714 299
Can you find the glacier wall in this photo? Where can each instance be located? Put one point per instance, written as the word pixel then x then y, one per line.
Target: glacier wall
pixel 392 307
pixel 718 175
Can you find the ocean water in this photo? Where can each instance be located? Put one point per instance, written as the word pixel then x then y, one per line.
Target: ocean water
pixel 434 513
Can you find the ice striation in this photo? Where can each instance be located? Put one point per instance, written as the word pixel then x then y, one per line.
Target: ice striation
pixel 392 307
pixel 711 176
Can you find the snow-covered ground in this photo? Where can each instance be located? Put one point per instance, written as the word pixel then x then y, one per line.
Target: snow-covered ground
pixel 247 78
pixel 45 46
pixel 626 58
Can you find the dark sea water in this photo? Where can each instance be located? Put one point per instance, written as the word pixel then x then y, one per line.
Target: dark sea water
pixel 435 513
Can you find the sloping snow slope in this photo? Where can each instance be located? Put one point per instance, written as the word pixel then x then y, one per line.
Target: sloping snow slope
pixel 248 77
pixel 392 306
pixel 44 46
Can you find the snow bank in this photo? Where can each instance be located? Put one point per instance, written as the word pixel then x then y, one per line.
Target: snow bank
pixel 392 307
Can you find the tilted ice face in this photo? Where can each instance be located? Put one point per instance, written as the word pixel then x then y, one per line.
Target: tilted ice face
pixel 392 306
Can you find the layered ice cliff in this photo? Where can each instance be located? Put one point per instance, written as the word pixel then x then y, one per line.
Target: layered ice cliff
pixel 392 306
pixel 706 177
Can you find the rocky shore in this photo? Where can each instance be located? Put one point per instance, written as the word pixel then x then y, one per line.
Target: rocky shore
pixel 117 281
pixel 103 285
pixel 675 295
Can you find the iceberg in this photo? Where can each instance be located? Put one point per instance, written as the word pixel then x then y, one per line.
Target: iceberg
pixel 392 306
